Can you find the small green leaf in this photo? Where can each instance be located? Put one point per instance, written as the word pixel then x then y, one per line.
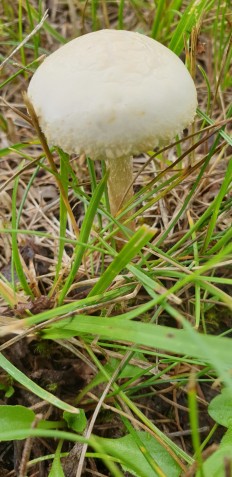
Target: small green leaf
pixel 220 408
pixel 76 422
pixel 56 469
pixel 8 390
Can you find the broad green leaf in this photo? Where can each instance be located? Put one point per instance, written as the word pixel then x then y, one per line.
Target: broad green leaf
pixel 132 457
pixel 215 465
pixel 227 438
pixel 220 408
pixel 14 418
pixel 19 418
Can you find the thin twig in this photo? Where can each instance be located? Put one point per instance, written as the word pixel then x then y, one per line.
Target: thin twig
pixel 224 59
pixel 17 111
pixel 96 412
pixel 166 148
pixel 52 164
pixel 27 449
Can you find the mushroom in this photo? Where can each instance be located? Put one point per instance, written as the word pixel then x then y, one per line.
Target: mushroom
pixel 112 94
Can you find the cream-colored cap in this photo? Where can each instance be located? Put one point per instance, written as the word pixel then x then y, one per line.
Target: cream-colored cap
pixel 112 93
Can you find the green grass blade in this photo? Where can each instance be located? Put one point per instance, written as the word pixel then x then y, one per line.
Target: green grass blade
pixel 162 438
pixel 184 342
pixel 47 26
pixel 197 301
pixel 174 221
pixel 84 236
pixel 160 11
pixel 128 252
pixel 24 198
pixel 217 205
pixel 197 226
pixel 210 121
pixel 189 18
pixel 33 387
pixel 32 26
pixel 94 5
pixel 20 30
pixel 63 211
pixel 15 250
pixel 226 237
pixel 80 306
pixel 120 14
pixel 207 82
pixel 16 147
pixel 194 422
pixel 69 436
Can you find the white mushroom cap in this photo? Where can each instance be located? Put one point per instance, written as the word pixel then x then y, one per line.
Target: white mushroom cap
pixel 112 93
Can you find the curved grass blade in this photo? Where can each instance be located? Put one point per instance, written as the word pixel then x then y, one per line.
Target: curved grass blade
pixel 212 349
pixel 189 18
pixel 15 250
pixel 63 210
pixel 217 204
pixel 128 252
pixel 84 235
pixel 33 387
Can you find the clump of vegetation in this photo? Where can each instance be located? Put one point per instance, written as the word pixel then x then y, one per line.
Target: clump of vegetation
pixel 116 362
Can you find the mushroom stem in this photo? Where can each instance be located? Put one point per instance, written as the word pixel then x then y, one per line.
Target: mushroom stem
pixel 120 178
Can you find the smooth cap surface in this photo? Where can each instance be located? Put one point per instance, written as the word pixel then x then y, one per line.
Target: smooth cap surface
pixel 112 93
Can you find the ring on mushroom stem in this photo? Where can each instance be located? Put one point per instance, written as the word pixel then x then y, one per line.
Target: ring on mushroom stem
pixel 112 94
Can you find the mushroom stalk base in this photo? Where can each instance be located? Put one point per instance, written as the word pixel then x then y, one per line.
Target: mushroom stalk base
pixel 120 177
